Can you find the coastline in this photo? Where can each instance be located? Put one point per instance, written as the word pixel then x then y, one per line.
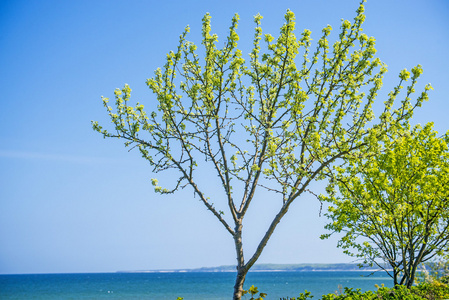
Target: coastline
pixel 343 267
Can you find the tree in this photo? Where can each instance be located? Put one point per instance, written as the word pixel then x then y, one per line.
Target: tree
pixel 264 122
pixel 393 207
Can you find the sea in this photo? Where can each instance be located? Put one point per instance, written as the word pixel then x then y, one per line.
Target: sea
pixel 189 285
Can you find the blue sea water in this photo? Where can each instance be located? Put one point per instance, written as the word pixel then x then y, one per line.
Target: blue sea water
pixel 190 285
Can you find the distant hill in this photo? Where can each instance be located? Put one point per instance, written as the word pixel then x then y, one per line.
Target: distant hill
pixel 288 267
pixel 273 267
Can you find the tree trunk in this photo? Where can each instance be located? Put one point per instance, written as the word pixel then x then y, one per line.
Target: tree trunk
pixel 239 281
pixel 242 270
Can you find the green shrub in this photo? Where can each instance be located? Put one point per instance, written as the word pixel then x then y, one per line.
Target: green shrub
pixel 432 291
pixel 426 291
pixel 435 290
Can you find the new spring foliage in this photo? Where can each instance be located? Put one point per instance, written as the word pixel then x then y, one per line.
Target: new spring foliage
pixel 276 119
pixel 393 206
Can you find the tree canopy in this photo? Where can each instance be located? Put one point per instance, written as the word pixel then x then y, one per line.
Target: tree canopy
pixel 393 207
pixel 276 120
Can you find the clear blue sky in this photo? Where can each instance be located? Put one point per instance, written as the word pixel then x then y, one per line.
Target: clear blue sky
pixel 71 201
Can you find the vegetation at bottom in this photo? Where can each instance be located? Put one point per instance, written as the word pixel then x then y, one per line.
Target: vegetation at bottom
pixel 431 291
pixel 436 290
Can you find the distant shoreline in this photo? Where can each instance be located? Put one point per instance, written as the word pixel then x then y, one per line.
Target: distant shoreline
pixel 268 268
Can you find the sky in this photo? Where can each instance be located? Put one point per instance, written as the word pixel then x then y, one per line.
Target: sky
pixel 71 201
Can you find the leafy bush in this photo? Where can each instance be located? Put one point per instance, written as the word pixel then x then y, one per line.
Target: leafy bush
pixel 425 291
pixel 435 290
